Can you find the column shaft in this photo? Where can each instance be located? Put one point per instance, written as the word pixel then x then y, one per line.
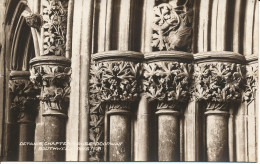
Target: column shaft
pixel 120 143
pixel 26 135
pixel 168 136
pixel 54 132
pixel 217 137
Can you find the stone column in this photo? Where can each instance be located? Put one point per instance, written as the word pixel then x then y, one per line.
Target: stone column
pixel 52 74
pixel 166 80
pixel 24 104
pixel 218 82
pixel 117 87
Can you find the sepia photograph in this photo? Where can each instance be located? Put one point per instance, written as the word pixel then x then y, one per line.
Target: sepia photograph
pixel 129 80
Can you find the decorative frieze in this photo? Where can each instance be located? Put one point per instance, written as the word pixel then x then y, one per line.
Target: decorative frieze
pixel 54 14
pixel 24 101
pixel 52 74
pixel 172 26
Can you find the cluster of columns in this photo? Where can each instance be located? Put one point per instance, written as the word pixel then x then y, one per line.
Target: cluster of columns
pixel 164 77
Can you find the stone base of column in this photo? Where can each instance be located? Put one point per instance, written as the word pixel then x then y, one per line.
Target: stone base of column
pixel 168 135
pixel 217 136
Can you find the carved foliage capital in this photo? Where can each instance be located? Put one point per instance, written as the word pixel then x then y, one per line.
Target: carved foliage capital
pixel 116 80
pixel 55 83
pixel 219 82
pixel 166 82
pixel 24 101
pixel 54 26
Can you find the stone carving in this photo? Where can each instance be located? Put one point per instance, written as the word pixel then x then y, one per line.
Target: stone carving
pixel 55 83
pixel 251 82
pixel 167 83
pixel 96 129
pixel 24 101
pixel 113 85
pixel 33 20
pixel 172 26
pixel 54 26
pixel 218 83
pixel 119 81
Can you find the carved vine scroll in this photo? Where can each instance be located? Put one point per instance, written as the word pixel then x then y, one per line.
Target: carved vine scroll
pixel 54 26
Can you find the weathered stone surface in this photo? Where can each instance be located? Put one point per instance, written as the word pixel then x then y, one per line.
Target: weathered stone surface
pixel 217 137
pixel 168 137
pixel 120 130
pixel 26 135
pixel 54 131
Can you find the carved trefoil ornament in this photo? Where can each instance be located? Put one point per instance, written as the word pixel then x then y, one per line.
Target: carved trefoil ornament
pixel 172 26
pixel 54 26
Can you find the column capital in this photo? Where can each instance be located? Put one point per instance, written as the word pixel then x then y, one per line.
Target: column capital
pixel 24 94
pixel 52 74
pixel 114 77
pixel 219 78
pixel 166 78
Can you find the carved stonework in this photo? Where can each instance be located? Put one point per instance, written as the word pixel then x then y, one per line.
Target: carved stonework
pixel 33 20
pixel 167 82
pixel 251 82
pixel 54 26
pixel 172 26
pixel 24 94
pixel 218 83
pixel 54 79
pixel 96 129
pixel 113 86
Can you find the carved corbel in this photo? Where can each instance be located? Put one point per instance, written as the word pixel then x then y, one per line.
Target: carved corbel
pixel 33 20
pixel 219 81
